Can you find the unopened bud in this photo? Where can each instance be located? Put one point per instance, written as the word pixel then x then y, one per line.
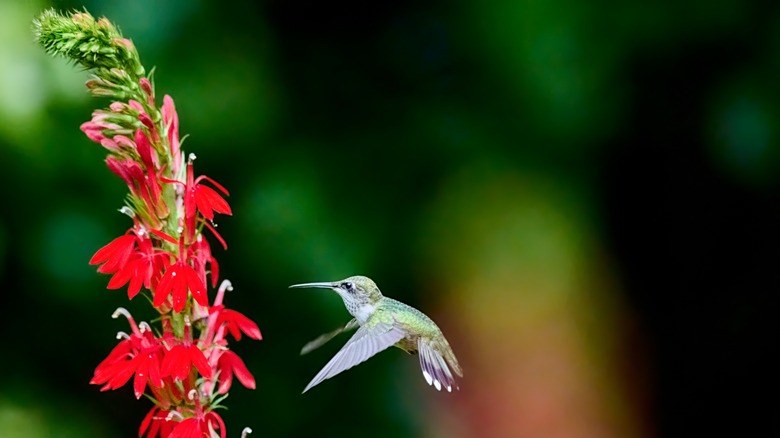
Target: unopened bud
pixel 146 86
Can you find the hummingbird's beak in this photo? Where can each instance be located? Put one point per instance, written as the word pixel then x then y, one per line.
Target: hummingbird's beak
pixel 324 285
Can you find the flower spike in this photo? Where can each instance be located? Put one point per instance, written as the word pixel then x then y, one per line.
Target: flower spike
pixel 164 255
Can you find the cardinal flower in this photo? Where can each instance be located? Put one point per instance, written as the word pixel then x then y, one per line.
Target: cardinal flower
pixel 184 363
pixel 230 364
pixel 137 355
pixel 236 323
pixel 178 279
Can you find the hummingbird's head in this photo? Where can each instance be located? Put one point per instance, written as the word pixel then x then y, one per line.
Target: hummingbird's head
pixel 360 294
pixel 358 288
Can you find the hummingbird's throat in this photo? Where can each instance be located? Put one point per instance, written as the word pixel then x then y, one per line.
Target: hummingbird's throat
pixel 361 311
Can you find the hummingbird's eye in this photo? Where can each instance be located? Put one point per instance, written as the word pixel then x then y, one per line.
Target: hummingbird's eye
pixel 347 285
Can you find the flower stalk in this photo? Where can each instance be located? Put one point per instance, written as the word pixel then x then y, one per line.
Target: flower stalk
pixel 183 364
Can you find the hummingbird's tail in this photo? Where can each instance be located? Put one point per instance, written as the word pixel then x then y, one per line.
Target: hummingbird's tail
pixel 435 355
pixel 449 356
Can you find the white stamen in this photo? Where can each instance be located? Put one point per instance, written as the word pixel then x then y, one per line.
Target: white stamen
pixel 192 157
pixel 428 377
pixel 121 311
pixel 127 211
pixel 226 286
pixel 179 229
pixel 144 326
pixel 449 388
pixel 192 394
pixel 176 414
pixel 437 384
pixel 142 231
pixel 122 335
pixel 246 432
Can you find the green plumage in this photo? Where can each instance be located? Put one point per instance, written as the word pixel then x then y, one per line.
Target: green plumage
pixel 385 322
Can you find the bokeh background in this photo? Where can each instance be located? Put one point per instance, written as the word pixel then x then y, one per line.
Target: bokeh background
pixel 584 195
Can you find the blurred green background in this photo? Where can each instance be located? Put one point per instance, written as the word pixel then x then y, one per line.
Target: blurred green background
pixel 584 196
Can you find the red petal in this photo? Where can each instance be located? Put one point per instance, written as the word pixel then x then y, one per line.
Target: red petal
pixel 122 277
pixel 155 377
pixel 176 363
pixel 163 288
pixel 118 353
pixel 225 374
pixel 206 195
pixel 144 149
pixel 159 266
pixel 146 421
pixel 245 324
pixel 196 286
pixel 139 381
pixel 214 272
pixel 220 424
pixel 189 201
pixel 204 206
pixel 166 367
pixel 179 292
pixel 115 253
pixel 216 184
pixel 200 362
pixel 102 375
pixel 217 235
pixel 121 374
pixel 234 330
pixel 137 280
pixel 240 370
pixel 189 428
pixel 164 236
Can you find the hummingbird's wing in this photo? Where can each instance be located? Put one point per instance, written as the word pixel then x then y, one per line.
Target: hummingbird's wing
pixel 434 368
pixel 366 342
pixel 319 342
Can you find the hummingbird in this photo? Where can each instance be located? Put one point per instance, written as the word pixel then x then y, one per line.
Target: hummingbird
pixel 382 322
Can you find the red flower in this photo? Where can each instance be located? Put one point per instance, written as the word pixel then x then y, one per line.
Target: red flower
pixel 157 423
pixel 177 280
pixel 199 426
pixel 205 198
pixel 114 256
pixel 229 363
pixel 138 355
pixel 144 268
pixel 201 257
pixel 179 360
pixel 209 201
pixel 115 370
pixel 236 323
pixel 198 423
pixel 141 267
pixel 183 369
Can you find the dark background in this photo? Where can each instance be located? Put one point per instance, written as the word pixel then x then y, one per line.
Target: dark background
pixel 587 187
